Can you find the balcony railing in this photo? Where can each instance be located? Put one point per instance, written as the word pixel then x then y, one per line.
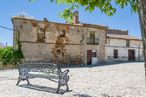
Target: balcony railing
pixel 93 41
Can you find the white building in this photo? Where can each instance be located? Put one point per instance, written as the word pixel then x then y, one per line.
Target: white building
pixel 1 45
pixel 123 47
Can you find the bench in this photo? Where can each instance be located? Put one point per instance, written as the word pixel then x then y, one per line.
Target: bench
pixel 28 70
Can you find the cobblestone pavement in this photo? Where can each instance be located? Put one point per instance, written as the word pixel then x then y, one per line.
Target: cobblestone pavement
pixel 125 80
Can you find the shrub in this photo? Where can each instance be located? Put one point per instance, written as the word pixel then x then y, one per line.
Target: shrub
pixel 10 56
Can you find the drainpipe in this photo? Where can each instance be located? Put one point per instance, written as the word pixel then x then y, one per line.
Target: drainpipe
pixel 139 51
pixel 82 44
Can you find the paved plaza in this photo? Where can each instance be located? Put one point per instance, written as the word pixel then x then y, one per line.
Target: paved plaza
pixel 125 80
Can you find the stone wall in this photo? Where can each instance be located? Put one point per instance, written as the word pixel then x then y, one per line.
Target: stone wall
pixel 66 43
pixel 100 49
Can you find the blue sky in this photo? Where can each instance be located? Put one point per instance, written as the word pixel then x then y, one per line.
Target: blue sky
pixel 124 19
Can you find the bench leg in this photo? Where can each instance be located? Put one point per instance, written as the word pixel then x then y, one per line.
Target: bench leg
pixel 18 81
pixel 67 88
pixel 27 82
pixel 58 88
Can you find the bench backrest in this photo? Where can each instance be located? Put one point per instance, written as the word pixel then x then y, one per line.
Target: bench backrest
pixel 40 67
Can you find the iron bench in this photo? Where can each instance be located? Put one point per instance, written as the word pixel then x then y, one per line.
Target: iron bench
pixel 26 71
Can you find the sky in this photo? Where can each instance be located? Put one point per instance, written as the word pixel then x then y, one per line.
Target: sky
pixel 124 19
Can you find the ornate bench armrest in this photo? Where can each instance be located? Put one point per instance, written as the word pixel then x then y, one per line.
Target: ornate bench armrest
pixel 64 77
pixel 23 73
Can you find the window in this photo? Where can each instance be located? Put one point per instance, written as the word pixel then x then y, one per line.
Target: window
pixel 92 39
pixel 63 33
pixel 115 53
pixel 93 54
pixel 58 51
pixel 127 43
pixel 40 35
pixel 92 35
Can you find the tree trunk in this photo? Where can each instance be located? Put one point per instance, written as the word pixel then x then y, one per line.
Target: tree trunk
pixel 142 19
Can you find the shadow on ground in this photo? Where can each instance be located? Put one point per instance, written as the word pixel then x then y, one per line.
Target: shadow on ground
pixel 99 64
pixel 82 95
pixel 43 88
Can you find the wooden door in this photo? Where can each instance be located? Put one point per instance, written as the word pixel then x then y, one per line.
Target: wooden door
pixel 89 57
pixel 131 55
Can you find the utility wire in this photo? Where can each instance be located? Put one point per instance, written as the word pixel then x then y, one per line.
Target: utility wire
pixel 6 28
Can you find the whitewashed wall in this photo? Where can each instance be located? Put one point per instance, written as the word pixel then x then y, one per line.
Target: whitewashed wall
pixel 116 42
pixel 120 45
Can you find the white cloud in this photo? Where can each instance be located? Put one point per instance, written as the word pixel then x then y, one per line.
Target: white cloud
pixel 24 15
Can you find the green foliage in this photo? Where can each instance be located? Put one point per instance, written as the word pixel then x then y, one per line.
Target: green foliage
pixel 5 53
pixel 10 56
pixel 68 13
pixel 106 6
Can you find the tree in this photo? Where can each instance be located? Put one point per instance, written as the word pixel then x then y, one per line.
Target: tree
pixel 107 7
pixel 141 5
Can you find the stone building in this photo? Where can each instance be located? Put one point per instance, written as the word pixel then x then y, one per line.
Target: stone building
pixel 123 47
pixel 77 43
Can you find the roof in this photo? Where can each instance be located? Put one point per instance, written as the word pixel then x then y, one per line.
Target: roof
pixel 117 31
pixel 120 36
pixel 80 24
pixel 93 25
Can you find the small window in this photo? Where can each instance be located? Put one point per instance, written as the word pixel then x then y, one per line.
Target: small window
pixel 40 35
pixel 127 43
pixel 93 54
pixel 58 51
pixel 63 33
pixel 115 53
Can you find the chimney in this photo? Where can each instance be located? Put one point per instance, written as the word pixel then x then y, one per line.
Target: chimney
pixel 76 17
